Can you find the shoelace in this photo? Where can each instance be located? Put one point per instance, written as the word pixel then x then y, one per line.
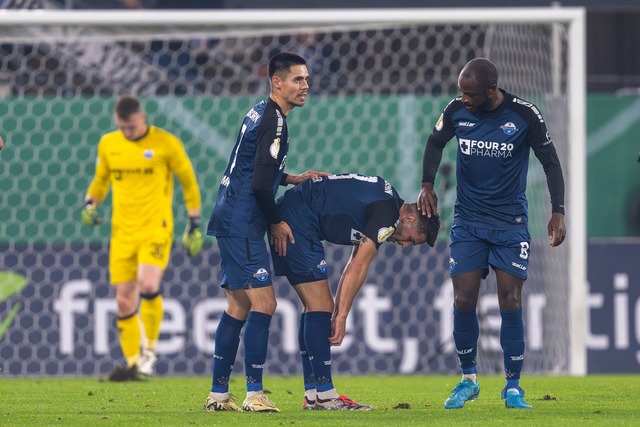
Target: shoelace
pixel 346 400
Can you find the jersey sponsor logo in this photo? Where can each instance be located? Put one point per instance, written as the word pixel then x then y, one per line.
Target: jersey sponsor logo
pixel 275 148
pixel 118 174
pixel 384 233
pixel 531 106
pixel 549 140
pixel 466 124
pixel 253 115
pixel 439 122
pixel 322 266
pixel 262 274
pixel 148 154
pixel 472 147
pixel 518 265
pixel 509 128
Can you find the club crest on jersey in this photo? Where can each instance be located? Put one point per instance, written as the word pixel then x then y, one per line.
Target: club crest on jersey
pixel 261 274
pixel 322 266
pixel 148 154
pixel 509 128
pixel 275 148
pixel 384 233
pixel 439 122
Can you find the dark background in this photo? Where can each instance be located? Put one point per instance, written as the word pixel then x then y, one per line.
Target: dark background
pixel 613 27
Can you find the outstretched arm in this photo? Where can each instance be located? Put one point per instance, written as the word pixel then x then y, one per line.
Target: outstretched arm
pixel 350 283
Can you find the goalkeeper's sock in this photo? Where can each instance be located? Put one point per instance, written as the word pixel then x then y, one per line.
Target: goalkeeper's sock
pixel 317 330
pixel 512 341
pixel 465 336
pixel 151 313
pixel 227 340
pixel 307 371
pixel 129 334
pixel 256 341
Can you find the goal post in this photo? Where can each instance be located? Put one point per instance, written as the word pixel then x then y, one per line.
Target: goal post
pixel 379 80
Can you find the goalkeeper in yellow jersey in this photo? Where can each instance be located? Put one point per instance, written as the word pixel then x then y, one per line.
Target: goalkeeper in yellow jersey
pixel 138 161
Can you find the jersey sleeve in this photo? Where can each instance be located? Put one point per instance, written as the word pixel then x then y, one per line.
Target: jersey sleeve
pixel 382 220
pixel 268 145
pixel 100 184
pixel 442 133
pixel 180 164
pixel 540 141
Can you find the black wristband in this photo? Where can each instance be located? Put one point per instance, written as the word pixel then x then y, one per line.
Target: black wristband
pixel 194 223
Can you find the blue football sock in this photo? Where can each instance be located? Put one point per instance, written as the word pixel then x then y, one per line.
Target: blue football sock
pixel 317 330
pixel 307 369
pixel 465 336
pixel 256 340
pixel 512 341
pixel 224 354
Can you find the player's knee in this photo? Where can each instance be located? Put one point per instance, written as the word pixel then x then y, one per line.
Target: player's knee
pixel 510 301
pixel 127 304
pixel 148 287
pixel 465 302
pixel 267 306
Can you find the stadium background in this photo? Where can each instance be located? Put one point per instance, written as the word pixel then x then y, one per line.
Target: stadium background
pixel 63 312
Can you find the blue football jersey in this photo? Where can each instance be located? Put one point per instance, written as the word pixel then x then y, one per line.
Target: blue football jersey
pixel 493 159
pixel 263 139
pixel 348 206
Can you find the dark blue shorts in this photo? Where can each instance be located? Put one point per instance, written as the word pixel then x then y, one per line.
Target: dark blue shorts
pixel 243 262
pixel 474 248
pixel 305 260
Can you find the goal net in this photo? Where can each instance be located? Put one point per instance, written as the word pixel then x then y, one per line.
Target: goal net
pixel 379 81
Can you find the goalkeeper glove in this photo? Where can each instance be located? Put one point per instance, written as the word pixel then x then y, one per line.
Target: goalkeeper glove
pixel 192 237
pixel 90 215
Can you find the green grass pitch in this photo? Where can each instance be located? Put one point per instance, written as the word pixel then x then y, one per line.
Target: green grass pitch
pixel 178 401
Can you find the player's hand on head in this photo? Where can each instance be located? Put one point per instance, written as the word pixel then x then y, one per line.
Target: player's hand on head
pixel 281 234
pixel 192 237
pixel 556 229
pixel 427 200
pixel 338 330
pixel 89 215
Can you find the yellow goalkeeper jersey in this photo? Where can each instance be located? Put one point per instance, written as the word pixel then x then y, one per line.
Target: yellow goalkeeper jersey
pixel 141 175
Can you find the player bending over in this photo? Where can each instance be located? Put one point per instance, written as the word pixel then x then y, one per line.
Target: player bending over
pixel 347 209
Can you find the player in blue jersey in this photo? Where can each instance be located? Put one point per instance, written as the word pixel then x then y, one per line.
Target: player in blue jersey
pixel 347 209
pixel 495 132
pixel 244 207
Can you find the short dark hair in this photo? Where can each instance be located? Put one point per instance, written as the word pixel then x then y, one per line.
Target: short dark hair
pixel 126 106
pixel 282 62
pixel 430 227
pixel 484 71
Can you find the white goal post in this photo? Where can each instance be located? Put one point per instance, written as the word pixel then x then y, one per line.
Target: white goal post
pixel 540 53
